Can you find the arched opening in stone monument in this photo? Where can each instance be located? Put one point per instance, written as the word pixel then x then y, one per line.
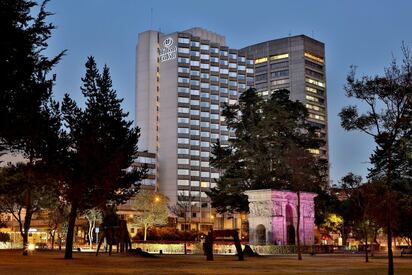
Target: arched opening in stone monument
pixel 290 227
pixel 261 234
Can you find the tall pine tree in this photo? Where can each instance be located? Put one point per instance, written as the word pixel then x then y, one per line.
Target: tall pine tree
pixel 101 149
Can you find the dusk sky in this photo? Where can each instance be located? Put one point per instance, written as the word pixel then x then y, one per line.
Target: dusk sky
pixel 362 33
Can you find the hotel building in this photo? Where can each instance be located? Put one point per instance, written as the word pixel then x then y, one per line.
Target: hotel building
pixel 182 81
pixel 297 64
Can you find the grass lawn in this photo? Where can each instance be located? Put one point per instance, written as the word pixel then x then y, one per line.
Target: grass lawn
pixel 11 262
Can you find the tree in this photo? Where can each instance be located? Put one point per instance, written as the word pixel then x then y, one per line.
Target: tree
pixel 92 216
pixel 96 168
pixel 56 216
pixel 304 173
pixel 271 150
pixel 30 121
pixel 152 209
pixel 22 196
pixel 264 129
pixel 387 119
pixel 363 199
pixel 181 209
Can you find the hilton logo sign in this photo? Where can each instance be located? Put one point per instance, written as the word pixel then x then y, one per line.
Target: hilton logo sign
pixel 168 52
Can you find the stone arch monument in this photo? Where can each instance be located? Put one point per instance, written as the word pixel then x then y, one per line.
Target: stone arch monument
pixel 273 217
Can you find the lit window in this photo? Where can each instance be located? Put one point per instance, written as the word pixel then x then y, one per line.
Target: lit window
pixel 204 56
pixel 194 152
pixel 204 154
pixel 312 98
pixel 194 102
pixel 318 117
pixel 314 57
pixel 261 60
pixel 194 163
pixel 214 175
pixel 204 184
pixel 315 82
pixel 314 151
pixel 194 173
pixel 205 164
pixel 279 56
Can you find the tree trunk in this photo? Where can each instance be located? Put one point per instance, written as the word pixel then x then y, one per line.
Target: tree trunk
pixel 298 228
pixel 185 237
pixel 390 253
pixel 366 243
pixel 52 240
pixel 68 254
pixel 145 232
pixel 26 227
pixel 389 212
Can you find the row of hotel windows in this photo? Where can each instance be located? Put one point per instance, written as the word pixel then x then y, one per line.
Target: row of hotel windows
pixel 202 124
pixel 196 163
pixel 187 193
pixel 195 142
pixel 195 63
pixel 205 124
pixel 206 135
pixel 194 183
pixel 204 85
pixel 196 153
pixel 205 47
pixel 203 56
pixel 207 75
pixel 205 94
pixel 273 57
pixel 196 173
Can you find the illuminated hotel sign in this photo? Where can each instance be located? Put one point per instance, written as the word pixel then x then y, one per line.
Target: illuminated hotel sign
pixel 168 52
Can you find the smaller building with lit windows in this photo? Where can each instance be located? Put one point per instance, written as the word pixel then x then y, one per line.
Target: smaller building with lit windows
pixel 295 63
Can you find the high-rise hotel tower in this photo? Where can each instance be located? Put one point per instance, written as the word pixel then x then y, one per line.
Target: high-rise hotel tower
pixel 182 81
pixel 297 64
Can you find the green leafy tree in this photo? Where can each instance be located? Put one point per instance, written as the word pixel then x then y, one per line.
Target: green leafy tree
pixel 101 147
pixel 152 210
pixel 93 216
pixel 30 122
pixel 387 119
pixel 22 196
